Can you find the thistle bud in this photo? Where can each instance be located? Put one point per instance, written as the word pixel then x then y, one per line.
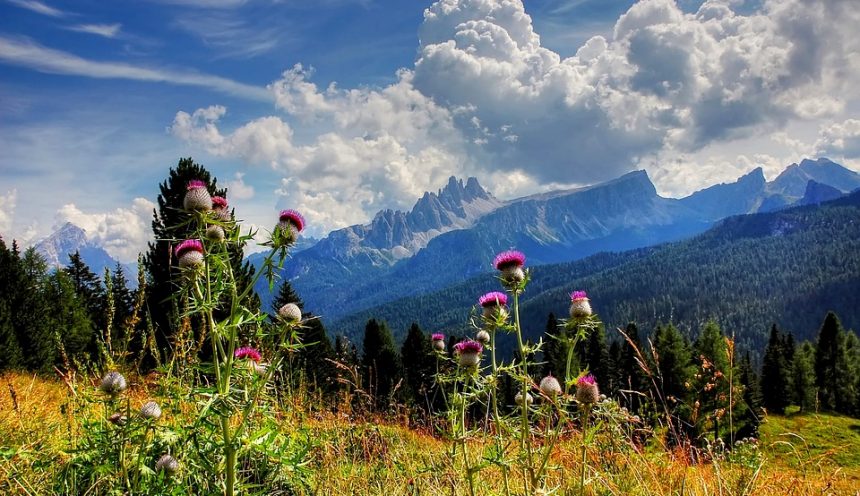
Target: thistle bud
pixel 167 464
pixel 518 399
pixel 150 410
pixel 290 224
pixel 510 264
pixel 438 341
pixel 483 337
pixel 190 254
pixel 469 353
pixel 215 233
pixel 290 313
pixel 549 386
pixel 197 196
pixel 493 304
pixel 113 383
pixel 579 305
pixel 219 208
pixel 586 390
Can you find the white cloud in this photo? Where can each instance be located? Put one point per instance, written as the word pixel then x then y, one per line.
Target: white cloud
pixel 485 97
pixel 238 190
pixel 38 7
pixel 8 202
pixel 123 233
pixel 840 139
pixel 26 53
pixel 105 30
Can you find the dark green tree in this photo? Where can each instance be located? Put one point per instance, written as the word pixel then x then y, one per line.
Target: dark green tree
pixel 11 355
pixel 674 362
pixel 632 378
pixel 776 392
pixel 171 224
pixel 826 356
pixel 715 382
pixel 419 365
pixel 554 349
pixel 69 321
pixel 86 284
pixel 32 305
pixel 804 377
pixel 846 373
pixel 381 362
pixel 597 357
pixel 749 420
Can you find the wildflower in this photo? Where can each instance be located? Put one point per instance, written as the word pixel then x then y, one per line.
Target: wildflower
pixel 493 302
pixel 510 263
pixel 113 383
pixel 518 399
pixel 469 352
pixel 197 196
pixel 190 253
pixel 438 341
pixel 219 207
pixel 579 305
pixel 290 312
pixel 549 386
pixel 167 464
pixel 290 224
pixel 247 352
pixel 215 233
pixel 150 410
pixel 483 337
pixel 586 390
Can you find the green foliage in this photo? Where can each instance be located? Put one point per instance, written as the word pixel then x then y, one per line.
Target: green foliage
pixel 381 361
pixel 826 355
pixel 418 366
pixel 805 390
pixel 776 373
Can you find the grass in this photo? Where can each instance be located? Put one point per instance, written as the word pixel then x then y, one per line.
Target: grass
pixel 804 454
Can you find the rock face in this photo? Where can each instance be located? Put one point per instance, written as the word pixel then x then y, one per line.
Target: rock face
pixel 818 193
pixel 722 200
pixel 793 180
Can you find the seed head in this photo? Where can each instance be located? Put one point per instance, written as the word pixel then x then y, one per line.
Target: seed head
pixel 113 383
pixel 518 399
pixel 150 410
pixel 197 196
pixel 290 313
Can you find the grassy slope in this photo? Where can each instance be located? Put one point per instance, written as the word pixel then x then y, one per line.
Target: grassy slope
pixel 354 457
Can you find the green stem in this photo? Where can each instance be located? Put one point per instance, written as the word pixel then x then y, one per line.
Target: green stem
pixel 582 460
pixel 525 445
pixel 496 416
pixel 469 475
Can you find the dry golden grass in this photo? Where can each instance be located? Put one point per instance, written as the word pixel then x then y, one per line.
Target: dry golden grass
pixel 378 457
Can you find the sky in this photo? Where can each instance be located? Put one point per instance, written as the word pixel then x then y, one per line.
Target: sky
pixel 341 108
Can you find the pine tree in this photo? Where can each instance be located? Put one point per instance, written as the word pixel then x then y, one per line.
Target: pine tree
pixel 804 378
pixel 554 349
pixel 846 373
pixel 69 319
pixel 774 374
pixel 86 284
pixel 631 375
pixel 597 356
pixel 381 362
pixel 418 359
pixel 826 355
pixel 675 362
pixel 11 355
pixel 32 305
pixel 748 422
pixel 169 224
pixel 712 380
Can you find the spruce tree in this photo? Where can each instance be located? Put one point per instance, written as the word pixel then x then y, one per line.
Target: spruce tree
pixel 171 224
pixel 11 355
pixel 826 355
pixel 632 377
pixel 69 320
pixel 86 284
pixel 597 356
pixel 381 362
pixel 846 373
pixel 675 362
pixel 418 361
pixel 804 377
pixel 712 380
pixel 774 374
pixel 33 307
pixel 747 423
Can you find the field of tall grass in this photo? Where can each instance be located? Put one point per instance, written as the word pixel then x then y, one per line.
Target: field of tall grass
pixel 42 427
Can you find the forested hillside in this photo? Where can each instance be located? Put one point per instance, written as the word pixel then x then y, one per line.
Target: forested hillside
pixel 748 272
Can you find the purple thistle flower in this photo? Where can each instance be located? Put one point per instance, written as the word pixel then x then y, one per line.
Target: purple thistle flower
pixel 587 380
pixel 509 259
pixel 195 184
pixel 586 390
pixel 578 295
pixel 492 299
pixel 437 336
pixel 294 218
pixel 219 202
pixel 188 245
pixel 247 352
pixel 468 346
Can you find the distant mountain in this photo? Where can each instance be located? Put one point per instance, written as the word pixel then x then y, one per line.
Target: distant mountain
pixel 818 193
pixel 454 233
pixel 789 267
pixel 794 179
pixel 70 238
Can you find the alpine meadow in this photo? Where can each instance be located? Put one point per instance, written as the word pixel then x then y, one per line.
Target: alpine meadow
pixel 452 247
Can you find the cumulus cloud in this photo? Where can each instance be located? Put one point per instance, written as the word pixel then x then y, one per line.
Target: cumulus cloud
pixel 8 202
pixel 486 97
pixel 238 190
pixel 123 233
pixel 840 139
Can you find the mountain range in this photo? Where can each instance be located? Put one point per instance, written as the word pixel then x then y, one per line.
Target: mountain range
pixel 69 239
pixel 453 234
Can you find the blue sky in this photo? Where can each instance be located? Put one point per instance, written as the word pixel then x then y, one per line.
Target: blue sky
pixel 343 107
